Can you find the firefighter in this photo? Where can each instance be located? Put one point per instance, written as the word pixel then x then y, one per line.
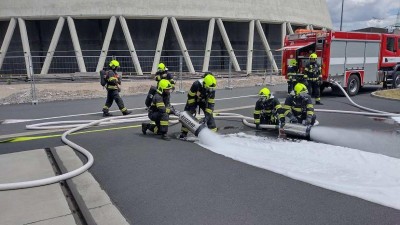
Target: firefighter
pixel 162 73
pixel 268 109
pixel 159 110
pixel 202 95
pixel 113 82
pixel 294 75
pixel 298 107
pixel 314 77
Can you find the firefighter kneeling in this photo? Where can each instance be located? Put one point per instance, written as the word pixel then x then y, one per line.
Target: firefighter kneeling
pixel 268 110
pixel 299 108
pixel 159 111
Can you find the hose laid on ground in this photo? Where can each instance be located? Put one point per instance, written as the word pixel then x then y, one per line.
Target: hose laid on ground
pixel 83 124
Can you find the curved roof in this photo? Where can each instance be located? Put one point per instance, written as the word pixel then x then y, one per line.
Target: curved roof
pixel 313 12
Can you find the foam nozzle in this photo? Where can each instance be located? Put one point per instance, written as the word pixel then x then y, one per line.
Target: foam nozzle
pixel 190 122
pixel 297 130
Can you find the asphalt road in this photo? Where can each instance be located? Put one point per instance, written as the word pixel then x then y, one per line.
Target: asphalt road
pixel 157 182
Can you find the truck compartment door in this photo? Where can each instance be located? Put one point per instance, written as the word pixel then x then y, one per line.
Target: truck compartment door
pixel 371 61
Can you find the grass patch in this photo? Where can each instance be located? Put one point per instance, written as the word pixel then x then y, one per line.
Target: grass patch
pixel 392 93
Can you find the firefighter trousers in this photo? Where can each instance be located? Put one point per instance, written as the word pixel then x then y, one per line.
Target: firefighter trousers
pixel 159 123
pixel 314 90
pixel 303 117
pixel 192 110
pixel 113 95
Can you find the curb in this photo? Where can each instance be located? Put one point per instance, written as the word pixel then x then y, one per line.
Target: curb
pixel 373 94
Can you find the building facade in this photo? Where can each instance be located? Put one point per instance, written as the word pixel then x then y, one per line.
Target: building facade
pixel 45 36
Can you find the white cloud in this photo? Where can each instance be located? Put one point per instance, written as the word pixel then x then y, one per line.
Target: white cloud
pixel 363 13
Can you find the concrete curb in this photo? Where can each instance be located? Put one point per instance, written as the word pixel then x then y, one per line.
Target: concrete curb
pixel 373 94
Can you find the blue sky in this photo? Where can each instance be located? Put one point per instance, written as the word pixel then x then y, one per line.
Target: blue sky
pixel 363 13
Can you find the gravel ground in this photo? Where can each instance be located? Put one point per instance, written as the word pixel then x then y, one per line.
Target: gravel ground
pixel 21 93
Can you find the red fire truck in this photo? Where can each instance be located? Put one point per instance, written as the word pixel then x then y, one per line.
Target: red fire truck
pixel 353 59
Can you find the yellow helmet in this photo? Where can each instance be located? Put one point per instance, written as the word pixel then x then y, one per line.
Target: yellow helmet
pixel 313 56
pixel 164 85
pixel 209 81
pixel 264 93
pixel 293 62
pixel 114 64
pixel 300 88
pixel 161 67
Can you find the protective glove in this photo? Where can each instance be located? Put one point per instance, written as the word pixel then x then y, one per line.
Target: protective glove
pixel 172 110
pixel 293 120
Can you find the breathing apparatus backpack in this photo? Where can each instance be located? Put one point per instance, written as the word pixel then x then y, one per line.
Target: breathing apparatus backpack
pixel 150 95
pixel 103 81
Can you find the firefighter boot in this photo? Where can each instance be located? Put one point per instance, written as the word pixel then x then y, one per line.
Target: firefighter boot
pixel 165 137
pixel 106 113
pixel 318 103
pixel 126 112
pixel 145 126
pixel 183 136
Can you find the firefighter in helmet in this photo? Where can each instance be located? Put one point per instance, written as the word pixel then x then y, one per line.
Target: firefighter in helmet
pixel 294 75
pixel 314 77
pixel 202 95
pixel 113 82
pixel 159 110
pixel 268 110
pixel 162 73
pixel 298 107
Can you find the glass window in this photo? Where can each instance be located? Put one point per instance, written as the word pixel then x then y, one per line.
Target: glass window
pixel 390 44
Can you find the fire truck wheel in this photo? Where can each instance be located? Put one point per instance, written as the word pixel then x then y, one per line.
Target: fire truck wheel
pixel 396 80
pixel 353 85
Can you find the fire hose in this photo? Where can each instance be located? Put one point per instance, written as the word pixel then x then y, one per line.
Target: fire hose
pixel 184 117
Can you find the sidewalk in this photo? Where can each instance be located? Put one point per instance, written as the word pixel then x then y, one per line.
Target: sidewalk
pixel 49 205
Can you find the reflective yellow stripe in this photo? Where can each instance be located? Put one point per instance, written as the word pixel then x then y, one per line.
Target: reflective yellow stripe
pixel 310 106
pixel 209 110
pixel 123 109
pixel 155 130
pixel 287 112
pixel 317 99
pixel 152 122
pixel 214 129
pixel 281 116
pixel 112 79
pixel 191 93
pixel 160 104
pixel 267 111
pixel 310 113
pixel 105 107
pixel 296 109
pixel 164 123
pixel 286 106
pixel 191 101
pixel 168 110
pixel 257 112
pixel 211 100
pixel 278 106
pixel 184 129
pixel 257 121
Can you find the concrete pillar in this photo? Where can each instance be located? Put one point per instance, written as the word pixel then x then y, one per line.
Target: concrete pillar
pixel 266 46
pixel 207 53
pixel 324 28
pixel 160 44
pixel 311 27
pixel 53 45
pixel 308 27
pixel 228 44
pixel 131 47
pixel 77 46
pixel 182 45
pixel 106 44
pixel 7 40
pixel 289 27
pixel 25 46
pixel 250 48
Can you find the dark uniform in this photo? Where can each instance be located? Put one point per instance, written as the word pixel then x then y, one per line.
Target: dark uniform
pixel 113 81
pixel 299 108
pixel 314 77
pixel 159 113
pixel 160 75
pixel 268 112
pixel 199 96
pixel 294 77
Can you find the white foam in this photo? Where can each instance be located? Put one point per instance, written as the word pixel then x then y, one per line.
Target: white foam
pixel 397 119
pixel 366 175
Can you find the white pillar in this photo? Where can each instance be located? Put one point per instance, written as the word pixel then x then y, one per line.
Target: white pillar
pixel 106 44
pixel 207 53
pixel 250 48
pixel 25 46
pixel 311 27
pixel 289 27
pixel 182 45
pixel 77 46
pixel 266 46
pixel 324 28
pixel 228 44
pixel 160 44
pixel 131 47
pixel 7 40
pixel 53 45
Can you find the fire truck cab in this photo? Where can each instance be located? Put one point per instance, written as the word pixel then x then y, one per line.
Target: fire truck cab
pixel 353 59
